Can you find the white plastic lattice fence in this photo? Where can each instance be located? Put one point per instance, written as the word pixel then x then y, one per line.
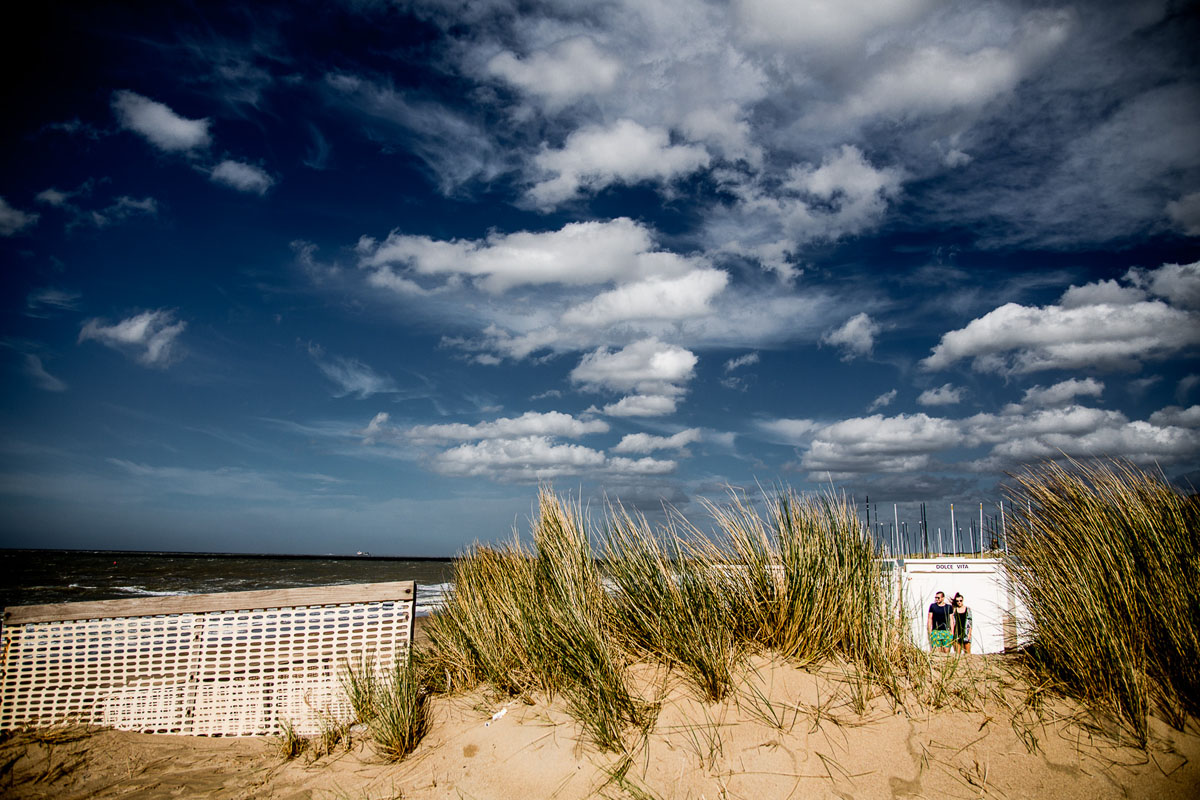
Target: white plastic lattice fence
pixel 234 664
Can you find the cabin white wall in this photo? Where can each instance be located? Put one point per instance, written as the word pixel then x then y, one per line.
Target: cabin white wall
pixel 983 584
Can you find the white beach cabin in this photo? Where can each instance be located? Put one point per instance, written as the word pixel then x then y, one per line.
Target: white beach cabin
pixel 996 611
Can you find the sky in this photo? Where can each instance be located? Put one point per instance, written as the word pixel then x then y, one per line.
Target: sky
pixel 330 277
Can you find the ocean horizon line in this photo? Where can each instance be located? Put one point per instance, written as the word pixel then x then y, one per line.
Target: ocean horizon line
pixel 357 556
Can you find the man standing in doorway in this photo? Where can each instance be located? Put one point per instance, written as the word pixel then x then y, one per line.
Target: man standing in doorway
pixel 938 624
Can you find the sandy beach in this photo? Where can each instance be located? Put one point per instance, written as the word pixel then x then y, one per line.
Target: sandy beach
pixel 786 732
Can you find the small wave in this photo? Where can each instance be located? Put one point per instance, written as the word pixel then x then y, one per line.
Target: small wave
pixel 431 597
pixel 141 592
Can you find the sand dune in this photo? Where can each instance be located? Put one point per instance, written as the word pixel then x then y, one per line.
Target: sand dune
pixel 788 732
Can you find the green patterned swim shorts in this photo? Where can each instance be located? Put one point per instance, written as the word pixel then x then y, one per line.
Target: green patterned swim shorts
pixel 940 638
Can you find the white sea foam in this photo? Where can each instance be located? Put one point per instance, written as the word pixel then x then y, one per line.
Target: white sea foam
pixel 432 597
pixel 141 592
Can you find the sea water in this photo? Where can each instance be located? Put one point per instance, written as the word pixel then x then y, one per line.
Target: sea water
pixel 29 577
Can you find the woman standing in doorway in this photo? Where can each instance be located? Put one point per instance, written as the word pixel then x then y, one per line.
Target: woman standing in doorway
pixel 938 624
pixel 961 625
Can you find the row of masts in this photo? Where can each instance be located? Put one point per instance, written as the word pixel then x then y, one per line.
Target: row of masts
pixel 983 536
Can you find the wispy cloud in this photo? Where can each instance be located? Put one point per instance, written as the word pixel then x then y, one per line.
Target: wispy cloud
pixel 1062 393
pixel 351 376
pixel 13 220
pixel 49 300
pixel 741 361
pixel 41 378
pixel 456 147
pixel 882 400
pixel 149 337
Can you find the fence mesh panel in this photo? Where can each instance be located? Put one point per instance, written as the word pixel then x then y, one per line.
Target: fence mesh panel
pixel 222 672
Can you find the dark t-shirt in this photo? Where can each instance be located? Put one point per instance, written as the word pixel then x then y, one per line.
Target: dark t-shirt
pixel 941 616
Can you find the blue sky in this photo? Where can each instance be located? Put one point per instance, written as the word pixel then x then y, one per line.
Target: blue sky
pixel 359 276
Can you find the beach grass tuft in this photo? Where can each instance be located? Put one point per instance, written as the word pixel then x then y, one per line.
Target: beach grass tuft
pixel 1105 559
pixel 361 684
pixel 671 601
pixel 289 744
pixel 401 711
pixel 536 619
pixel 805 582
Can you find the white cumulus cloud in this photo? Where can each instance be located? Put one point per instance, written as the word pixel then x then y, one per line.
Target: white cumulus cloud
pixel 243 177
pixel 158 124
pixel 531 423
pixel 843 195
pixel 578 254
pixel 1177 416
pixel 648 443
pixel 640 405
pixel 688 295
pixel 1063 392
pixel 569 69
pixel 535 458
pixel 1097 326
pixel 595 157
pixel 944 395
pixel 936 79
pixel 526 458
pixel 1178 284
pixel 856 336
pixel 876 443
pixel 647 367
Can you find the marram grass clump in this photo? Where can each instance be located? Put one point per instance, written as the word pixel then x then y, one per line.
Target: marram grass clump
pixel 401 714
pixel 670 601
pixel 538 620
pixel 393 703
pixel 1107 560
pixel 806 582
pixel 801 580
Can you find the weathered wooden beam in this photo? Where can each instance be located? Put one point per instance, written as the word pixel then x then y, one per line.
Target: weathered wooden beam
pixel 205 603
